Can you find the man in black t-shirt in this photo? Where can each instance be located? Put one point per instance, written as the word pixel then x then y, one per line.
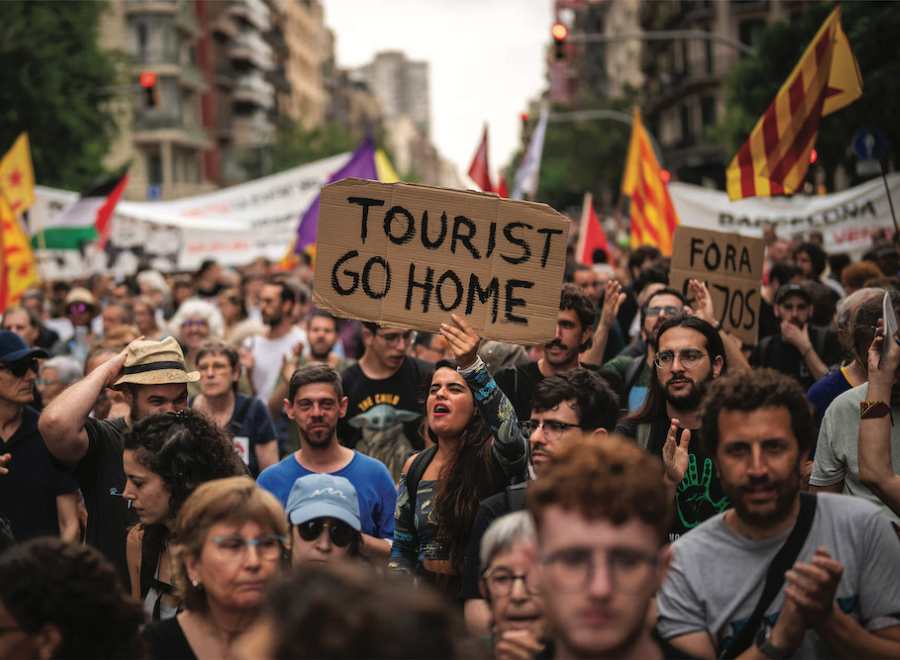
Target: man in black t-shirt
pixel 574 330
pixel 382 389
pixel 690 355
pixel 564 407
pixel 802 352
pixel 153 379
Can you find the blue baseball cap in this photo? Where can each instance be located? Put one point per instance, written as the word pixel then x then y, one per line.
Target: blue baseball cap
pixel 13 348
pixel 323 495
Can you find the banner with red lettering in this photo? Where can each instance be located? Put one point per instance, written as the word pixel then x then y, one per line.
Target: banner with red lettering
pixel 845 219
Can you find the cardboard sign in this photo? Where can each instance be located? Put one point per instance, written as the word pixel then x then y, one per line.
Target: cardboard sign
pixel 731 265
pixel 405 255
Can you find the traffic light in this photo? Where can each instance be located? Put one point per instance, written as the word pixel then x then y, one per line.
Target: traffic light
pixel 559 32
pixel 151 89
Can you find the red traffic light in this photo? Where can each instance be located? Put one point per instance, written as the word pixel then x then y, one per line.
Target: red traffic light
pixel 665 175
pixel 559 31
pixel 523 116
pixel 813 156
pixel 148 79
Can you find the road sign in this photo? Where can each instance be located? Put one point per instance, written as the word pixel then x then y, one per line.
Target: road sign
pixel 869 144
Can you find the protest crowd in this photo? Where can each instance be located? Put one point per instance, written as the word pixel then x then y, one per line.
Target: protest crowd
pixel 207 465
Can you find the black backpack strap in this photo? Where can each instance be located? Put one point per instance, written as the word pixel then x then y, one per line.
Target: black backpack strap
pixel 235 424
pixel 417 469
pixel 781 563
pixel 515 497
pixel 633 372
pixel 763 355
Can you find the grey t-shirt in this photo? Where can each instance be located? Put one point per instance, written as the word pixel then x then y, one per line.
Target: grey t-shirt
pixel 717 576
pixel 837 456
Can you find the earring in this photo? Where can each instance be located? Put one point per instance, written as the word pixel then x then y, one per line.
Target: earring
pixel 196 584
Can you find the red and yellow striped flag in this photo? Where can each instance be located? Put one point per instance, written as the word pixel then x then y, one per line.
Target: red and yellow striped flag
pixel 775 158
pixel 653 217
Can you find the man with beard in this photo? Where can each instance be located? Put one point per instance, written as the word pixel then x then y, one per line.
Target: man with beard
pixel 565 407
pixel 315 403
pixel 574 327
pixel 839 596
pixel 836 466
pixel 799 351
pixel 263 353
pixel 690 354
pixel 153 379
pixel 635 371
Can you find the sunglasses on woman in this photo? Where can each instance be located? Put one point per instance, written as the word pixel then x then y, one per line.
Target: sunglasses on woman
pixel 341 533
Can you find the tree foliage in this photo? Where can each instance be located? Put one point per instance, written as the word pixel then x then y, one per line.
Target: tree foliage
pixel 871 29
pixel 52 75
pixel 296 145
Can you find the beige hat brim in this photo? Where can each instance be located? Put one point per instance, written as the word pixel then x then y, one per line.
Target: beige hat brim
pixel 160 377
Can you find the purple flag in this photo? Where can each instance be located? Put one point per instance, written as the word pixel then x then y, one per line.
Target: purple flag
pixel 360 166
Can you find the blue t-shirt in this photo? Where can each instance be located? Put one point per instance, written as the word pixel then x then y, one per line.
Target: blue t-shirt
pixel 371 479
pixel 822 393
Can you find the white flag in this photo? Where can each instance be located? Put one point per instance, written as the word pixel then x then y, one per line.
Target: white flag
pixel 527 176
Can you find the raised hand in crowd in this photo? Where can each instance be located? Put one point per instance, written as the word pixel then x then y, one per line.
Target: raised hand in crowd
pixel 676 455
pixel 4 460
pixel 704 309
pixel 876 471
pixel 611 303
pixel 463 341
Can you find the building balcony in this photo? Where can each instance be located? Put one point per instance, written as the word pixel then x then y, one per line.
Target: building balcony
pixel 254 12
pixel 186 21
pixel 155 126
pixel 225 77
pixel 253 130
pixel 254 90
pixel 252 48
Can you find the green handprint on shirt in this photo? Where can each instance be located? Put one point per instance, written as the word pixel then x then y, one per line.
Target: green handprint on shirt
pixel 692 499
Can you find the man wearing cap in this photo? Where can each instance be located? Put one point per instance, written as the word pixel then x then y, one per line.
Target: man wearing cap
pixel 36 499
pixel 799 351
pixel 323 510
pixel 153 379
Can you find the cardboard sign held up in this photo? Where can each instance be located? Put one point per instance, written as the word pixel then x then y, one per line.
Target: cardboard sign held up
pixel 406 255
pixel 731 266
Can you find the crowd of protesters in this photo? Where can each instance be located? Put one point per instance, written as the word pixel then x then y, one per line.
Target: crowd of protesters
pixel 204 465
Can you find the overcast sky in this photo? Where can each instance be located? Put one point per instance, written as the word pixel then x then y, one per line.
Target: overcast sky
pixel 486 60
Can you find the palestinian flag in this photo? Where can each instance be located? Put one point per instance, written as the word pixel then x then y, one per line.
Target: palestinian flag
pixel 89 220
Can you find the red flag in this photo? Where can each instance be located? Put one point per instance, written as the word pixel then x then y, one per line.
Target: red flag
pixel 502 190
pixel 478 170
pixel 591 236
pixel 104 214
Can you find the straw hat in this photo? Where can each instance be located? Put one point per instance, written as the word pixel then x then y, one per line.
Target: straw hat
pixel 81 295
pixel 156 363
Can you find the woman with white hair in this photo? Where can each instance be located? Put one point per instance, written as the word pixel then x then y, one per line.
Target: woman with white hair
pixel 56 374
pixel 195 322
pixel 510 587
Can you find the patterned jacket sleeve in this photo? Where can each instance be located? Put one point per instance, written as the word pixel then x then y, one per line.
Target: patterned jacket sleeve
pixel 509 447
pixel 405 549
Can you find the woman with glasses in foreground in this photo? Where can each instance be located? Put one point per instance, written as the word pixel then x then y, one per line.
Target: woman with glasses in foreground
pixel 232 537
pixel 510 586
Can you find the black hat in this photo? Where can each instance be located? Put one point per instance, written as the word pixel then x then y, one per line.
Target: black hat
pixel 13 348
pixel 786 290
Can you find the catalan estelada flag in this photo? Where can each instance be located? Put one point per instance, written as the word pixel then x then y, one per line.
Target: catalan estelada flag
pixel 775 158
pixel 653 217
